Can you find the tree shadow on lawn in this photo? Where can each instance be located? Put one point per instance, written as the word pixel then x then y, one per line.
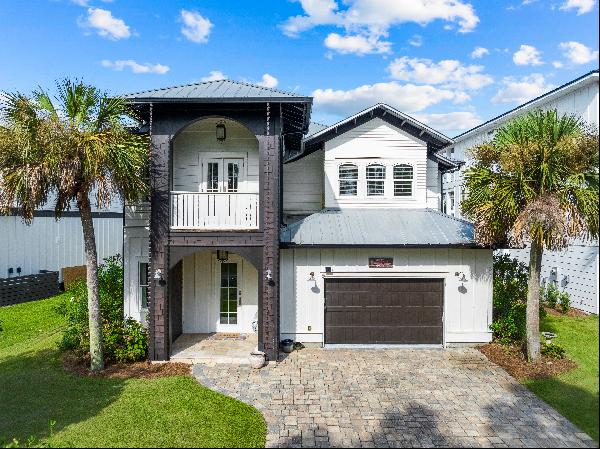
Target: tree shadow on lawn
pixel 34 389
pixel 578 405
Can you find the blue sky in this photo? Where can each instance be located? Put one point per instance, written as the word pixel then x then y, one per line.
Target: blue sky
pixel 417 55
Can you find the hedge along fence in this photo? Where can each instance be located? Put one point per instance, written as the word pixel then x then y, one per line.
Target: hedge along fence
pixel 28 288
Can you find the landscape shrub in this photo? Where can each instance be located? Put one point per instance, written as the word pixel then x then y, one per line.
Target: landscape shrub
pixel 510 300
pixel 124 339
pixel 550 295
pixel 553 350
pixel 564 302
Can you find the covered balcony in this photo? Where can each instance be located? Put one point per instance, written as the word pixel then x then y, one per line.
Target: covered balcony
pixel 215 177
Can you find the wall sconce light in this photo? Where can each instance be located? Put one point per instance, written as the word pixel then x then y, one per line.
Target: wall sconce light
pixel 312 277
pixel 221 132
pixel 461 276
pixel 222 255
pixel 158 276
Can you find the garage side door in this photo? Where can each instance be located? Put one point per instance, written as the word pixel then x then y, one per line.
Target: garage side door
pixel 384 311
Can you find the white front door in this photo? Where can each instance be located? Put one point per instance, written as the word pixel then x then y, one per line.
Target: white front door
pixel 229 295
pixel 224 175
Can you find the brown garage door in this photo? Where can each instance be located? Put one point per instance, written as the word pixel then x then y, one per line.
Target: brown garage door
pixel 385 311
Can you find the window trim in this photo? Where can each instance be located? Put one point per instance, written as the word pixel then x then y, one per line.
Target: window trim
pixel 141 286
pixel 355 180
pixel 412 180
pixel 377 180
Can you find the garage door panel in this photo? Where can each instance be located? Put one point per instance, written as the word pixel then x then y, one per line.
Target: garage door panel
pixel 393 311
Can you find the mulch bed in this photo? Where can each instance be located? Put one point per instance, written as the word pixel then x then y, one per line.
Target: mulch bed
pixel 571 312
pixel 512 359
pixel 137 370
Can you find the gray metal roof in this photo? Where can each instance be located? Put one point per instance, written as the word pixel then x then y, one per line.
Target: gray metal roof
pixel 379 227
pixel 314 128
pixel 213 91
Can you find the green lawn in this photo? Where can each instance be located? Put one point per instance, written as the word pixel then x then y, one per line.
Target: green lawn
pixel 96 412
pixel 574 394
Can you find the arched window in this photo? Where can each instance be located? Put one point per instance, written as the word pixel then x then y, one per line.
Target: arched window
pixel 348 177
pixel 375 180
pixel 403 180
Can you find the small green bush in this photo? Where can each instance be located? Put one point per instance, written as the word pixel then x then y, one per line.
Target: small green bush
pixel 550 295
pixel 124 339
pixel 553 350
pixel 510 300
pixel 564 302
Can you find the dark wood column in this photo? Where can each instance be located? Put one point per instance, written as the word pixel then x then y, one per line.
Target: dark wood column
pixel 159 250
pixel 268 324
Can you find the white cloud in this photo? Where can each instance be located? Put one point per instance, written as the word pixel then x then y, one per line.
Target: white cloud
pixel 195 27
pixel 416 40
pixel 103 22
pixel 214 75
pixel 268 81
pixel 520 90
pixel 450 73
pixel 479 52
pixel 405 97
pixel 557 64
pixel 452 121
pixel 582 6
pixel 373 18
pixel 578 53
pixel 357 44
pixel 135 67
pixel 527 55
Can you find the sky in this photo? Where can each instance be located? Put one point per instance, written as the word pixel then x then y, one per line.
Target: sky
pixel 450 63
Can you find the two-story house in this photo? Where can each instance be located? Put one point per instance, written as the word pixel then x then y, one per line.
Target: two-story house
pixel 260 222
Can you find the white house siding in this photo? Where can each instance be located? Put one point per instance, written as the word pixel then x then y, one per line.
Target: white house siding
pixel 201 299
pixel 467 313
pixel 136 242
pixel 48 244
pixel 303 184
pixel 198 142
pixel 580 99
pixel 574 270
pixel 375 142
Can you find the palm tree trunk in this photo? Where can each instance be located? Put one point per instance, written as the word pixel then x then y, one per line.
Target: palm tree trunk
pixel 533 302
pixel 91 259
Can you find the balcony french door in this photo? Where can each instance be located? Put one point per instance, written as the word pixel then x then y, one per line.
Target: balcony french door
pixel 223 175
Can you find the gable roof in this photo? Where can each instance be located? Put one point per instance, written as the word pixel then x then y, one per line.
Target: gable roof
pixel 561 90
pixel 216 91
pixel 435 140
pixel 379 227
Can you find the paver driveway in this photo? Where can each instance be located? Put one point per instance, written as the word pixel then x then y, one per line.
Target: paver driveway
pixel 392 398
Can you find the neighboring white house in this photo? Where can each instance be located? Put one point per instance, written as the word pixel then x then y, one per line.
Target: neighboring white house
pixel 574 270
pixel 48 244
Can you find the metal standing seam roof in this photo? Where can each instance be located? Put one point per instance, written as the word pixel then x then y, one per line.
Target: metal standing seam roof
pixel 213 91
pixel 379 227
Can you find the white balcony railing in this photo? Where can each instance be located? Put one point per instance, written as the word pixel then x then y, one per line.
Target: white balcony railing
pixel 192 210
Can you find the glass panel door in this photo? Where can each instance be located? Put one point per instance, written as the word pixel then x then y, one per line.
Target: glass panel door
pixel 213 175
pixel 233 174
pixel 228 294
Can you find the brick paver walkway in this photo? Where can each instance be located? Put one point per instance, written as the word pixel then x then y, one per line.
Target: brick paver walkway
pixel 393 398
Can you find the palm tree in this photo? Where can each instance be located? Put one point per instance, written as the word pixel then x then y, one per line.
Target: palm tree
pixel 71 149
pixel 536 182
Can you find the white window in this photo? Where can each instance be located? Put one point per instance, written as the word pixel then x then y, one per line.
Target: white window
pixel 375 180
pixel 348 177
pixel 403 180
pixel 143 284
pixel 451 205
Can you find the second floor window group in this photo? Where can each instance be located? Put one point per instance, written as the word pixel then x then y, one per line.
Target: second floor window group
pixel 375 177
